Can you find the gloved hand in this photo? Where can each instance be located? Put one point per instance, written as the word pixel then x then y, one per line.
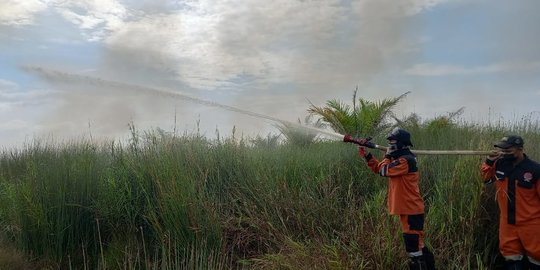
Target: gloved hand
pixel 362 151
pixel 494 156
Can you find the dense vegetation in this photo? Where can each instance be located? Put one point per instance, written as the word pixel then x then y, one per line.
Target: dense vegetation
pixel 186 202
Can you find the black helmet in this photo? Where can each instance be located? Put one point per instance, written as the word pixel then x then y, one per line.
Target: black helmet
pixel 400 135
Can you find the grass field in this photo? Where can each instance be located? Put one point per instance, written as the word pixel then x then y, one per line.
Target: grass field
pixel 188 202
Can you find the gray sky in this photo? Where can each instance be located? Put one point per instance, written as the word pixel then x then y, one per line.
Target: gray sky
pixel 269 57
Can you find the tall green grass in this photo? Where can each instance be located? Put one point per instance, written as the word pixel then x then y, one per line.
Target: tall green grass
pixel 186 202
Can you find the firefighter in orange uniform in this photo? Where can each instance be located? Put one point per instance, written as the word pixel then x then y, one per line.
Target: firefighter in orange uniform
pixel 404 199
pixel 517 180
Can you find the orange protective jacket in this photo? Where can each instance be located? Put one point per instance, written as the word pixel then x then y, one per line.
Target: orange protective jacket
pixel 403 191
pixel 518 189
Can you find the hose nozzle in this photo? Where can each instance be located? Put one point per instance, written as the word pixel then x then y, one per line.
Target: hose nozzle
pixel 360 141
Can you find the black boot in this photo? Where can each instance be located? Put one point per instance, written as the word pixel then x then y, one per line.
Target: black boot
pixel 513 265
pixel 418 263
pixel 429 258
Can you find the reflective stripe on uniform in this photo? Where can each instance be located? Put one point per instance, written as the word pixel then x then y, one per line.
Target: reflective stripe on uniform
pixel 384 170
pixel 415 254
pixel 517 257
pixel 533 261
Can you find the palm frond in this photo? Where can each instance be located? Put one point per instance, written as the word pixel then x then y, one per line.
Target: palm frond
pixel 364 118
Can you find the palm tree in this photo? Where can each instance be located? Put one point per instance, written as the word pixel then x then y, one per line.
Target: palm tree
pixel 365 118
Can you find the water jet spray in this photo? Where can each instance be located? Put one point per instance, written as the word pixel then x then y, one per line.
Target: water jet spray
pixel 64 77
pixel 55 75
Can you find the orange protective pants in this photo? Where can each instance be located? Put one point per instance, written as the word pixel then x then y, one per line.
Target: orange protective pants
pixel 412 227
pixel 519 240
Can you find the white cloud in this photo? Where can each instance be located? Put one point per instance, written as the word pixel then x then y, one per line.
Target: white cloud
pixel 17 12
pixel 94 17
pixel 418 6
pixel 28 95
pixel 209 44
pixel 12 96
pixel 6 85
pixel 430 70
pixel 391 8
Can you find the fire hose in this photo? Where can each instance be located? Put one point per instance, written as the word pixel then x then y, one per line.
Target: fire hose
pixel 366 142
